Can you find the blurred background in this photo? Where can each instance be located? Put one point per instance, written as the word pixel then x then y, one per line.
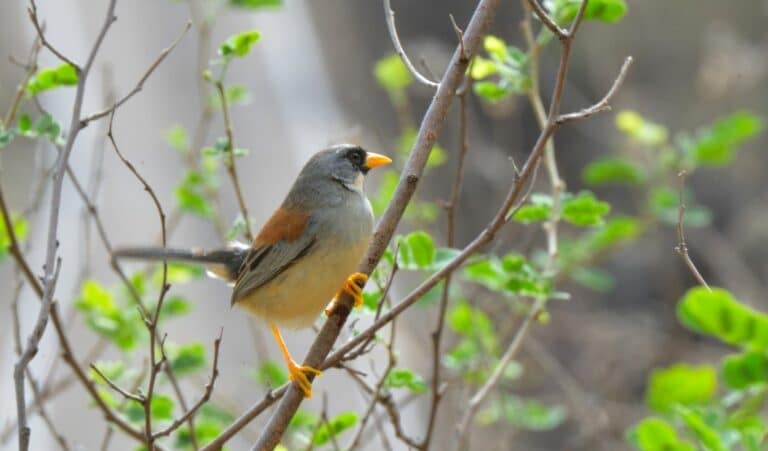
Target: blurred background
pixel 311 83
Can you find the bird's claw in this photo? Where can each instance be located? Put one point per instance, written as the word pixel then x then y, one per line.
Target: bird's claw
pixel 298 373
pixel 351 286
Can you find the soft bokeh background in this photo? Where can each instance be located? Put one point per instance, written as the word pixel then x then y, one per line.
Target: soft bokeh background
pixel 311 84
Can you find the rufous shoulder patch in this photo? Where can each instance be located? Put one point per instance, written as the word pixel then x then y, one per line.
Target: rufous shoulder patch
pixel 284 225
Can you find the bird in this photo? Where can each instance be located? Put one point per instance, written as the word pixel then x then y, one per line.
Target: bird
pixel 304 255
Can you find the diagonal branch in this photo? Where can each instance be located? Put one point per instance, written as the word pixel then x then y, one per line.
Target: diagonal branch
pixel 32 11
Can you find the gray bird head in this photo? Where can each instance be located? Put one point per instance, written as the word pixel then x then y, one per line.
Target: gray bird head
pixel 340 167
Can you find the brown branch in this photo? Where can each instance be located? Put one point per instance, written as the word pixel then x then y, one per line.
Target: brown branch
pixel 51 262
pixel 30 68
pixel 547 20
pixel 140 85
pixel 603 104
pixel 450 213
pixel 127 395
pixel 425 139
pixel 231 168
pixel 32 11
pixel 390 18
pixel 682 246
pixel 203 399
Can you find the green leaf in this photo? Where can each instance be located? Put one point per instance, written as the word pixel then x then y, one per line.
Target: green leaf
pixel 655 434
pixel 51 78
pixel 187 359
pixel 174 306
pixel 239 45
pixel 680 384
pixel 473 323
pixel 482 68
pixel 585 210
pixel 271 374
pixel 6 136
pixel 706 435
pixel 176 137
pixel 490 91
pixel 495 47
pixel 608 11
pixel 745 369
pixel 717 313
pixel 334 427
pixel 522 413
pixel 538 209
pixel 190 195
pixel 25 124
pixel 391 73
pixel 638 128
pixel 20 230
pixel 716 145
pixel 403 378
pixel 416 251
pixel 161 407
pixel 255 4
pixel 593 278
pixel 179 273
pixel 612 170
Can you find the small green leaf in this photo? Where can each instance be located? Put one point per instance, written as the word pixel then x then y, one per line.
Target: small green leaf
pixel 585 210
pixel 179 273
pixel 608 11
pixel 25 124
pixel 161 407
pixel 271 374
pixel 482 68
pixel 524 413
pixel 719 314
pixel 334 427
pixel 538 209
pixel 745 369
pixel 490 91
pixel 239 45
pixel 187 359
pixel 20 230
pixel 706 435
pixel 612 170
pixel 680 384
pixel 391 73
pixel 495 47
pixel 51 78
pixel 416 251
pixel 190 197
pixel 174 306
pixel 637 127
pixel 594 278
pixel 403 378
pixel 6 136
pixel 655 434
pixel 176 137
pixel 255 4
pixel 716 145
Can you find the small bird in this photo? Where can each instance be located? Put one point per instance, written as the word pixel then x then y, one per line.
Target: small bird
pixel 304 253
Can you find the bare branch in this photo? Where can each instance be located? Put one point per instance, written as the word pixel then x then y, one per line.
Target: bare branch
pixel 682 246
pixel 604 103
pixel 231 168
pixel 32 11
pixel 203 399
pixel 51 262
pixel 547 20
pixel 140 85
pixel 390 17
pixel 117 388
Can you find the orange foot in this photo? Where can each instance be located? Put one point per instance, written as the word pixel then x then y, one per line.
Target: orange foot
pixel 299 373
pixel 352 287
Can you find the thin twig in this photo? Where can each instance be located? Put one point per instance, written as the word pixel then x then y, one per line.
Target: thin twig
pixel 390 17
pixel 682 246
pixel 29 71
pixel 231 168
pixel 52 263
pixel 547 20
pixel 32 10
pixel 125 394
pixel 140 85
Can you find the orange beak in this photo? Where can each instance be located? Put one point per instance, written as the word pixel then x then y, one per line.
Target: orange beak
pixel 373 160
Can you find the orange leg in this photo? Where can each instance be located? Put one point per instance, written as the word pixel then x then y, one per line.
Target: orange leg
pixel 296 372
pixel 352 288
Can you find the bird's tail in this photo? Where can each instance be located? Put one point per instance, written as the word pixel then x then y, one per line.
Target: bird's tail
pixel 222 263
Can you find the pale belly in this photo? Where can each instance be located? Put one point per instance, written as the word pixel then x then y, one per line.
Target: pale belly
pixel 295 298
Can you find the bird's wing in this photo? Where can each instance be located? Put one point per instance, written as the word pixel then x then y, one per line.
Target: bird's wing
pixel 287 237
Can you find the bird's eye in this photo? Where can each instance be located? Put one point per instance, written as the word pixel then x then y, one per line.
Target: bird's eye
pixel 356 158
